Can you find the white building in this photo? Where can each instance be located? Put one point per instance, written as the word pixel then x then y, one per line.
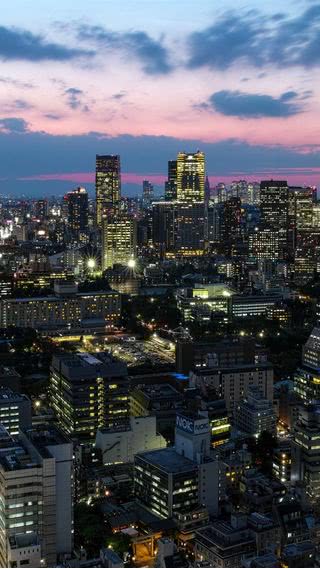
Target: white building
pixel 36 487
pixel 255 414
pixel 233 383
pixel 122 446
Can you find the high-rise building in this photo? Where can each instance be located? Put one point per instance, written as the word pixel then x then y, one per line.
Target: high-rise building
pixel 231 221
pixel 147 193
pixel 274 208
pixel 306 451
pixel 89 392
pixel 36 487
pixel 254 414
pixel 77 212
pixel 191 220
pixel 170 191
pixel 108 186
pixel 191 177
pixel 119 241
pixel 163 226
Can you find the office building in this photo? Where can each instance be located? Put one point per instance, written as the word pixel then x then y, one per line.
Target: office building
pixel 264 244
pixel 232 383
pixel 36 486
pixel 274 208
pixel 306 451
pixel 164 227
pixel 190 229
pixel 119 241
pixel 108 186
pixel 231 222
pixel 15 411
pixel 158 400
pixel 254 414
pixel 121 446
pixel 173 481
pixel 170 190
pixel 244 306
pixel 191 177
pixel 89 392
pixel 147 193
pixel 77 213
pixel 66 309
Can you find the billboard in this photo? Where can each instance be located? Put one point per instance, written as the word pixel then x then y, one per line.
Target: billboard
pixel 192 426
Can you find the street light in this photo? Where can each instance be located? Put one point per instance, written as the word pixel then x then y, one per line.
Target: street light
pixel 91 263
pixel 132 263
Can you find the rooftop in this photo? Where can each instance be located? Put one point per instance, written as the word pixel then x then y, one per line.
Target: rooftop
pixel 169 460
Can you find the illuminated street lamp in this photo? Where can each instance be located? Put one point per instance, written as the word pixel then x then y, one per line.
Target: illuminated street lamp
pixel 132 263
pixel 91 264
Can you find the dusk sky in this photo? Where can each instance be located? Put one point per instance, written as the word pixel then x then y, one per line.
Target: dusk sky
pixel 147 78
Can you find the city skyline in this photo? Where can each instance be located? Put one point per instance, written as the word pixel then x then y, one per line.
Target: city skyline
pixel 237 85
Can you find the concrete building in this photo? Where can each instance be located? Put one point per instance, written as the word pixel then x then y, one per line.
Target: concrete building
pixel 119 241
pixel 67 309
pixel 233 383
pixel 254 414
pixel 122 446
pixel 15 411
pixel 307 377
pixel 159 400
pixel 36 490
pixel 174 481
pixel 89 392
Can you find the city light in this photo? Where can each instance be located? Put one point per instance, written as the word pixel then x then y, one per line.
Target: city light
pixel 132 263
pixel 91 263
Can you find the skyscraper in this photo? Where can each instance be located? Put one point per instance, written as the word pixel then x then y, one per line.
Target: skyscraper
pixel 147 193
pixel 77 212
pixel 274 207
pixel 108 186
pixel 191 177
pixel 119 241
pixel 170 191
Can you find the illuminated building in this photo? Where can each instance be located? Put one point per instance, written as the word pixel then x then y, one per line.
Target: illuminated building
pixel 119 241
pixel 274 208
pixel 232 383
pixel 253 193
pixel 281 467
pixel 147 193
pixel 67 309
pixel 190 228
pixel 88 392
pixel 253 305
pixel 36 471
pixel 215 297
pixel 77 208
pixel 306 451
pixel 15 411
pixel 307 377
pixel 264 244
pixel 41 208
pixel 172 481
pixel 254 414
pixel 214 212
pixel 191 177
pixel 108 186
pixel 170 191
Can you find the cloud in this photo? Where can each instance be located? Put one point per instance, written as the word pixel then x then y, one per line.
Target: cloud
pixel 13 125
pixel 21 104
pixel 153 56
pixel 19 44
pixel 248 105
pixel 16 83
pixel 253 38
pixel 75 99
